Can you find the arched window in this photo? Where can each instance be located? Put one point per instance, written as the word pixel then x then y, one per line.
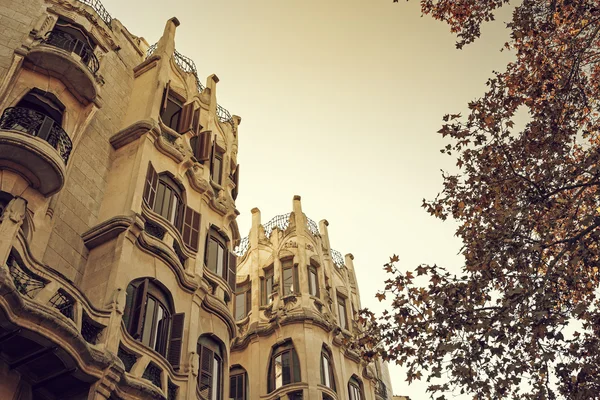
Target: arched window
pixel 149 317
pixel 284 366
pixel 327 375
pixel 313 281
pixel 210 378
pixel 218 259
pixel 169 201
pixel 290 277
pixel 355 389
pixel 238 383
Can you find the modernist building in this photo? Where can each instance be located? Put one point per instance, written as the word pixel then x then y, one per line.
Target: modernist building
pixel 118 276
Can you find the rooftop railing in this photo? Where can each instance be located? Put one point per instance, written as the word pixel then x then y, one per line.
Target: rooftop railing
pixel 100 10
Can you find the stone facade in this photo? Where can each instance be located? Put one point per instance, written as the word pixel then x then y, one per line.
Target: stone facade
pixel 118 276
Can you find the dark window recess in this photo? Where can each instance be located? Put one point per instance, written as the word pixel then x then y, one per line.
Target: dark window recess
pixel 296 395
pixel 152 373
pixel 163 195
pixel 172 391
pixel 284 367
pixel 290 277
pixel 170 108
pixel 210 378
pixel 64 303
pixel 327 397
pixel 155 230
pixel 128 358
pixel 218 259
pixel 267 287
pixel 90 330
pixel 238 385
pixel 149 318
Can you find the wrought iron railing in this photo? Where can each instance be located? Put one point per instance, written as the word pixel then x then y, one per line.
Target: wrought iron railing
pixel 100 10
pixel 242 248
pixel 312 227
pixel 70 43
pixel 37 124
pixel 128 358
pixel 26 282
pixel 152 373
pixel 186 64
pixel 64 303
pixel 280 221
pixel 337 258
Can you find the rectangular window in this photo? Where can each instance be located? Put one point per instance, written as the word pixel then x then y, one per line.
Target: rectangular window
pixel 216 252
pixel 267 287
pixel 240 306
pixel 290 277
pixel 342 315
pixel 217 167
pixel 313 281
pixel 237 386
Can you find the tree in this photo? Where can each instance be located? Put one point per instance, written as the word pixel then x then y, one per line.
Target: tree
pixel 522 319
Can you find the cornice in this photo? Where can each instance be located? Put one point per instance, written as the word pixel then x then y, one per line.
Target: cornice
pixel 133 132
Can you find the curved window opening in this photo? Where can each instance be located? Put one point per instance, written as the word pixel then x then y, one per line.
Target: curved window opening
pixel 355 389
pixel 149 318
pixel 266 287
pixel 284 366
pixel 210 378
pixel 238 384
pixel 218 259
pixel 169 201
pixel 327 375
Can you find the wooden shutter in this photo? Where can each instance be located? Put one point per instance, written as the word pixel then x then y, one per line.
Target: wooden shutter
pixel 185 118
pixel 232 265
pixel 206 372
pixel 165 98
pixel 196 120
pixel 138 309
pixel 150 186
pixel 191 228
pixel 204 146
pixel 175 341
pixel 236 179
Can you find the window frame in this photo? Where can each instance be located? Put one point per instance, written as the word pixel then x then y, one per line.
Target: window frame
pixel 221 241
pixel 342 310
pixel 218 154
pixel 244 290
pixel 176 205
pixel 269 276
pixel 313 288
pixel 207 343
pixel 236 373
pixel 355 388
pixel 288 264
pixel 295 369
pixel 329 374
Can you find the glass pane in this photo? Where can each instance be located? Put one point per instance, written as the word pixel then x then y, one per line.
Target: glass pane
pixel 269 289
pixel 216 172
pixel 240 306
pixel 342 312
pixel 241 395
pixel 286 366
pixel 211 260
pixel 220 260
pixel 232 387
pixel 160 195
pixel 166 205
pixel 288 281
pixel 312 276
pixel 148 321
pixel 326 375
pixel 215 382
pixel 278 372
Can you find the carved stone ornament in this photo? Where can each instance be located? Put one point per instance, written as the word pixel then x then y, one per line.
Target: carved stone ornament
pixel 15 210
pixel 197 181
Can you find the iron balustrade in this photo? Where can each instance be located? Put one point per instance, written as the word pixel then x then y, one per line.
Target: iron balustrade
pixel 242 248
pixel 312 227
pixel 70 43
pixel 337 257
pixel 37 124
pixel 186 64
pixel 100 10
pixel 280 221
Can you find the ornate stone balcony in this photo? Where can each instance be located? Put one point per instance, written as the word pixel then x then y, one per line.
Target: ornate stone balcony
pixel 34 145
pixel 68 59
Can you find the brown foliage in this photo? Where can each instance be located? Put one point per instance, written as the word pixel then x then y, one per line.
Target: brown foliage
pixel 528 207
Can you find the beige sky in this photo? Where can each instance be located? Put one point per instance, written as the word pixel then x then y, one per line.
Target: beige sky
pixel 340 103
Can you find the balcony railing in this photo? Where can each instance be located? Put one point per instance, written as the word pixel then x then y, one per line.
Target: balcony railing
pixel 99 8
pixel 37 124
pixel 70 43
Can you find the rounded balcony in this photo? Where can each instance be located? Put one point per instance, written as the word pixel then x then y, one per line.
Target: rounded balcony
pixel 69 59
pixel 35 146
